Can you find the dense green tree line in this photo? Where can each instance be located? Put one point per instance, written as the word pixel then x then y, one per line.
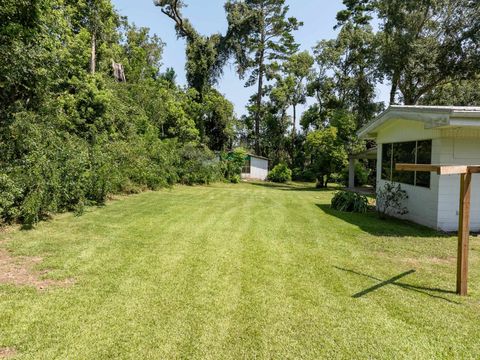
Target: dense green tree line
pixel 71 133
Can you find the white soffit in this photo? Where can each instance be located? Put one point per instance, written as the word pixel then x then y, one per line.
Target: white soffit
pixel 431 116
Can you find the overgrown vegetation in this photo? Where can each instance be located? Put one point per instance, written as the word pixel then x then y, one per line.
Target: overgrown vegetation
pixel 233 163
pixel 72 132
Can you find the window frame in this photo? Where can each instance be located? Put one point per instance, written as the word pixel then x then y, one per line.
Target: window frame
pixel 392 157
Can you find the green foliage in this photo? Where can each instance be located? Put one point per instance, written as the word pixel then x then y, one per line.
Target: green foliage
pixel 206 55
pixel 218 117
pixel 70 135
pixel 421 44
pixel 348 201
pixel 457 93
pixel 232 164
pixel 265 38
pixel 390 200
pixel 300 174
pixel 143 53
pixel 236 179
pixel 327 153
pixel 346 76
pixel 362 174
pixel 280 174
pixel 198 165
pixel 9 193
pixel 296 69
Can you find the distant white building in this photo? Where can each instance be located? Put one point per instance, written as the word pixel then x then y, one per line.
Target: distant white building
pixel 255 168
pixel 428 135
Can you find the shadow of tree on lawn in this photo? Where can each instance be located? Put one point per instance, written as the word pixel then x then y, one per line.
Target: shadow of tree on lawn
pixel 293 187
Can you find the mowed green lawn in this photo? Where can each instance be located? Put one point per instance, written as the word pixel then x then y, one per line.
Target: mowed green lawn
pixel 244 271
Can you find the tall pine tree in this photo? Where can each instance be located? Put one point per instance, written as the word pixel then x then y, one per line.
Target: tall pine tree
pixel 269 39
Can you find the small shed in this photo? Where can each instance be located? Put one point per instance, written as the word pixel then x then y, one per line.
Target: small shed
pixel 444 135
pixel 255 168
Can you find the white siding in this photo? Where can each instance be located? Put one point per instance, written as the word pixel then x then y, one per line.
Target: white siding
pixel 422 203
pixel 437 207
pixel 258 169
pixel 458 148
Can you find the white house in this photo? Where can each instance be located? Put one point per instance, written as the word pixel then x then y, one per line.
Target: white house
pixel 255 168
pixel 428 135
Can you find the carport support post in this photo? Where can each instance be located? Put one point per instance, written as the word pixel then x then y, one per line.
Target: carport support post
pixel 463 233
pixel 351 172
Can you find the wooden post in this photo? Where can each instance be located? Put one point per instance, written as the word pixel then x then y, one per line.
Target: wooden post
pixel 463 233
pixel 465 172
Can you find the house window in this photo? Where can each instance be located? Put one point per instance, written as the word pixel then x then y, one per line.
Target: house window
pixel 412 152
pixel 247 166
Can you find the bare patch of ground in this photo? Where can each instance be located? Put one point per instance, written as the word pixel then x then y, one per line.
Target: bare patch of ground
pixel 6 353
pixel 19 270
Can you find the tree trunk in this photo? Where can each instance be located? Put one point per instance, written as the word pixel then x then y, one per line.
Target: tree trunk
pixel 258 108
pixel 409 96
pixel 320 182
pixel 93 55
pixel 294 121
pixel 261 71
pixel 393 90
pixel 294 132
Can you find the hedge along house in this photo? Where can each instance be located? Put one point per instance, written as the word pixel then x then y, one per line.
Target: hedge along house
pixel 255 168
pixel 428 135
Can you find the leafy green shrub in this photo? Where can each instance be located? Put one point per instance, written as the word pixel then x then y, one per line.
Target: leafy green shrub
pixel 350 202
pixel 280 174
pixel 236 179
pixel 9 194
pixel 390 200
pixel 232 164
pixel 198 165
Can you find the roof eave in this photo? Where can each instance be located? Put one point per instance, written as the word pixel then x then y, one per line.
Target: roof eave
pixel 437 117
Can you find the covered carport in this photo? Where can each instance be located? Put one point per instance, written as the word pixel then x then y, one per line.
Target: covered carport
pixel 370 154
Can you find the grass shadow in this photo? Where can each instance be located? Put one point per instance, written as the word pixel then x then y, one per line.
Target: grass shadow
pixel 394 281
pixel 293 187
pixel 372 224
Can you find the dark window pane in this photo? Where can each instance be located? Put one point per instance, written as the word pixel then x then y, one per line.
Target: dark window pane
pixel 424 152
pixel 423 179
pixel 386 162
pixel 424 156
pixel 404 153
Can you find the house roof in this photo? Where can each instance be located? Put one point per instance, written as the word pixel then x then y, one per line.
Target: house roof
pixel 257 156
pixel 366 154
pixel 432 116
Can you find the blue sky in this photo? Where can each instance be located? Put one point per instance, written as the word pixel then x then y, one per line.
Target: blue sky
pixel 208 17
